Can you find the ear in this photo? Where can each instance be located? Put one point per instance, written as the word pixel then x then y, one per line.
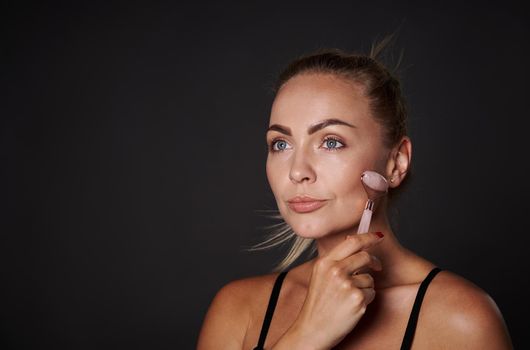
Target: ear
pixel 398 162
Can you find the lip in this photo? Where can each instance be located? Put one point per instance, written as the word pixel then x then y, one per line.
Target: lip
pixel 305 204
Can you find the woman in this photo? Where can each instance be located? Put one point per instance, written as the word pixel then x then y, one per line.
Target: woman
pixel 334 116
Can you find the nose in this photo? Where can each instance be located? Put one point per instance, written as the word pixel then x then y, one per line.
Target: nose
pixel 301 169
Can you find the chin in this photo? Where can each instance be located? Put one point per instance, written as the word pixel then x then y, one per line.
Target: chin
pixel 314 229
pixel 309 232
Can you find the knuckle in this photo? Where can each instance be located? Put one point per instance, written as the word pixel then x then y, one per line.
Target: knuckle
pixel 321 264
pixel 364 256
pixel 357 297
pixel 346 285
pixel 335 271
pixel 355 242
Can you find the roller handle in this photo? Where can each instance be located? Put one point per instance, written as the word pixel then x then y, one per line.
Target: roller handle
pixel 364 225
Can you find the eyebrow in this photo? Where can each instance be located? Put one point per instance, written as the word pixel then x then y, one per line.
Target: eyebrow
pixel 312 129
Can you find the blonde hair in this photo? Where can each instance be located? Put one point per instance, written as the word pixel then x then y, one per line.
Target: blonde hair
pixel 281 234
pixel 387 103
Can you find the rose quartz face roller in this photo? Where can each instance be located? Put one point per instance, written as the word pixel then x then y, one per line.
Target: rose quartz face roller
pixel 375 186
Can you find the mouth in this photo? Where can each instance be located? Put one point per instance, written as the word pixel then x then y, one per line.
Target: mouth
pixel 305 204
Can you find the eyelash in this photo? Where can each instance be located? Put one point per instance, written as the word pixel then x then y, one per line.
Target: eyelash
pixel 327 138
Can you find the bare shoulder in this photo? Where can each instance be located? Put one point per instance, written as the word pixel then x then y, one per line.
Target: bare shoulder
pixel 229 314
pixel 462 315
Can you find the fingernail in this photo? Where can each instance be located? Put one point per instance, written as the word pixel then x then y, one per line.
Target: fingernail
pixel 380 234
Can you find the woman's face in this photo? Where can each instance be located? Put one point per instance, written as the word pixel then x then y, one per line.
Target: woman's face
pixel 321 138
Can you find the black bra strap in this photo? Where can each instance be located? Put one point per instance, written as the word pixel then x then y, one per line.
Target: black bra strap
pixel 270 310
pixel 413 319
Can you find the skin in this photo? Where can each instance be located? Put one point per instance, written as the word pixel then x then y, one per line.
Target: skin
pixel 321 304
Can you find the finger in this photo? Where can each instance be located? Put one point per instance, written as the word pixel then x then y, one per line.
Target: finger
pixel 364 280
pixel 355 243
pixel 360 262
pixel 369 295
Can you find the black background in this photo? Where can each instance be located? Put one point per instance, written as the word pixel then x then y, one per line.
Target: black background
pixel 133 155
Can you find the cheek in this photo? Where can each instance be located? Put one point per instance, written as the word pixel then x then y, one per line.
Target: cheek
pixel 341 175
pixel 270 173
pixel 342 178
pixel 274 176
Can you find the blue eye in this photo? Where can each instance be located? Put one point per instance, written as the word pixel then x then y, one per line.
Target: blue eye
pixel 279 145
pixel 332 144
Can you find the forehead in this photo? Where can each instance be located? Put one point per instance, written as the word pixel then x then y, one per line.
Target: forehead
pixel 308 98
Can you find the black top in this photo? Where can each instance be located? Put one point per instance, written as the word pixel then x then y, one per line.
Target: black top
pixel 409 332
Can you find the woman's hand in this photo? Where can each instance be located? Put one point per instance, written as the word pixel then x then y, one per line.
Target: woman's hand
pixel 337 297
